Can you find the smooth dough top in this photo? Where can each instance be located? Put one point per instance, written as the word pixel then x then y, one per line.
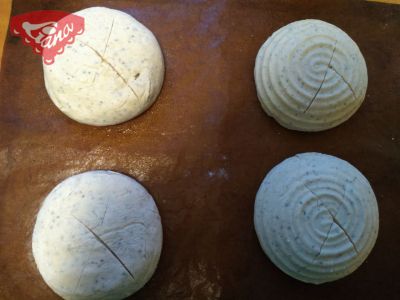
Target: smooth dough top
pixel 310 76
pixel 98 235
pixel 316 217
pixel 111 73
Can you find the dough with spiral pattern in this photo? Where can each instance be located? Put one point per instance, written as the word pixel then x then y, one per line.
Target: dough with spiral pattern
pixel 316 217
pixel 310 76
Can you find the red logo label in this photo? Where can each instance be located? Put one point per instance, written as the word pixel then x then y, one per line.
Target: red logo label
pixel 47 31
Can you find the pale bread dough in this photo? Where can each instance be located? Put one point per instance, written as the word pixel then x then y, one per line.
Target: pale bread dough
pixel 98 235
pixel 310 76
pixel 112 72
pixel 316 217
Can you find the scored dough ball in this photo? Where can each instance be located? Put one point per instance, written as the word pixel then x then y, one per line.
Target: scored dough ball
pixel 310 76
pixel 98 235
pixel 316 217
pixel 110 74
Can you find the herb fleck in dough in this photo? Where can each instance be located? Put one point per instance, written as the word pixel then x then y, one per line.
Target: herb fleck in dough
pixel 310 76
pixel 112 72
pixel 316 217
pixel 98 235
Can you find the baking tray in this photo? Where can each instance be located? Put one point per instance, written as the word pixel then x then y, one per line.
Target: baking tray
pixel 203 148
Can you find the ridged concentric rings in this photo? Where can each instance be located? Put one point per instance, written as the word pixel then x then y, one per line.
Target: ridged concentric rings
pixel 316 217
pixel 310 76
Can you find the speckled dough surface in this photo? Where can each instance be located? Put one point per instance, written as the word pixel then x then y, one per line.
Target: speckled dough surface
pixel 316 217
pixel 111 73
pixel 310 76
pixel 98 235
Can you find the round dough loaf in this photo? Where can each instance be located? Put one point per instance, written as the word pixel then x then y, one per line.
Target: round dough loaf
pixel 310 76
pixel 316 217
pixel 111 73
pixel 98 235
